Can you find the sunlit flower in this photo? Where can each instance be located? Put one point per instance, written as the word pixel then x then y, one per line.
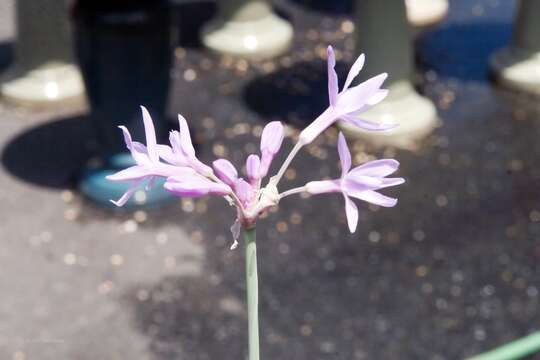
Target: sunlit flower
pixel 147 161
pixel 359 183
pixel 186 175
pixel 348 104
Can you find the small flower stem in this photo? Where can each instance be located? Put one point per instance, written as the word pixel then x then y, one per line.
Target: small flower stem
pixel 252 287
pixel 517 349
pixel 276 178
pixel 292 191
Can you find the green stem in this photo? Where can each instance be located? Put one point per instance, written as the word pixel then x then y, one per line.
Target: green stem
pixel 252 293
pixel 517 349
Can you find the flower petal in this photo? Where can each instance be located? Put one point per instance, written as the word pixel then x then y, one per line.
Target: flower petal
pixel 225 171
pixel 195 186
pixel 355 70
pixel 188 150
pixel 324 186
pixel 167 170
pixel 174 139
pixel 321 123
pixel 186 145
pixel 332 77
pixel 131 173
pixel 374 198
pixel 135 148
pixel 271 140
pixel 344 155
pixel 360 183
pixel 352 213
pixel 355 98
pixel 376 168
pixel 127 195
pixel 244 191
pixel 377 97
pixel 253 164
pixel 165 152
pixel 367 125
pixel 387 182
pixel 272 137
pixel 150 133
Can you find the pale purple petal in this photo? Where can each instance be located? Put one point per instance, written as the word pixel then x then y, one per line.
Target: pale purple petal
pixel 367 125
pixel 264 167
pixel 253 164
pixel 360 183
pixel 387 182
pixel 355 70
pixel 271 140
pixel 377 97
pixel 140 148
pixel 344 155
pixel 327 118
pixel 225 171
pixel 167 170
pixel 272 137
pixel 166 153
pixel 150 133
pixel 188 150
pixel 127 195
pixel 195 186
pixel 355 98
pixel 174 139
pixel 352 213
pixel 235 230
pixel 324 186
pixel 131 173
pixel 244 191
pixel 185 138
pixel 172 154
pixel 135 148
pixel 332 77
pixel 376 168
pixel 187 189
pixel 374 198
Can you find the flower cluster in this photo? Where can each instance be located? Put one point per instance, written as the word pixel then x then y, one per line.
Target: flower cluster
pixel 187 176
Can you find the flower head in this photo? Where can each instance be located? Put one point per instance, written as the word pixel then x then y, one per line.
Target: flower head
pixel 359 183
pixel 147 161
pixel 186 175
pixel 348 104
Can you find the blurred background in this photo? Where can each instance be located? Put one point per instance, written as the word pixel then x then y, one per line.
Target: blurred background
pixel 452 271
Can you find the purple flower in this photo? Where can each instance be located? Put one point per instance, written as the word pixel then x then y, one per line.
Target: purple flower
pixel 186 175
pixel 348 104
pixel 147 161
pixel 359 183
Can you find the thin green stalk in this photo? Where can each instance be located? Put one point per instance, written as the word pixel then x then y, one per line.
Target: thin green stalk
pixel 514 350
pixel 252 287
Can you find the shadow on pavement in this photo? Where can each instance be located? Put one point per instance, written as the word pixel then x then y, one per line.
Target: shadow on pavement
pixel 50 154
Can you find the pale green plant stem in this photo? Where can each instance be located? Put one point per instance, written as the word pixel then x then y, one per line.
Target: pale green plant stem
pixel 514 350
pixel 252 287
pixel 275 179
